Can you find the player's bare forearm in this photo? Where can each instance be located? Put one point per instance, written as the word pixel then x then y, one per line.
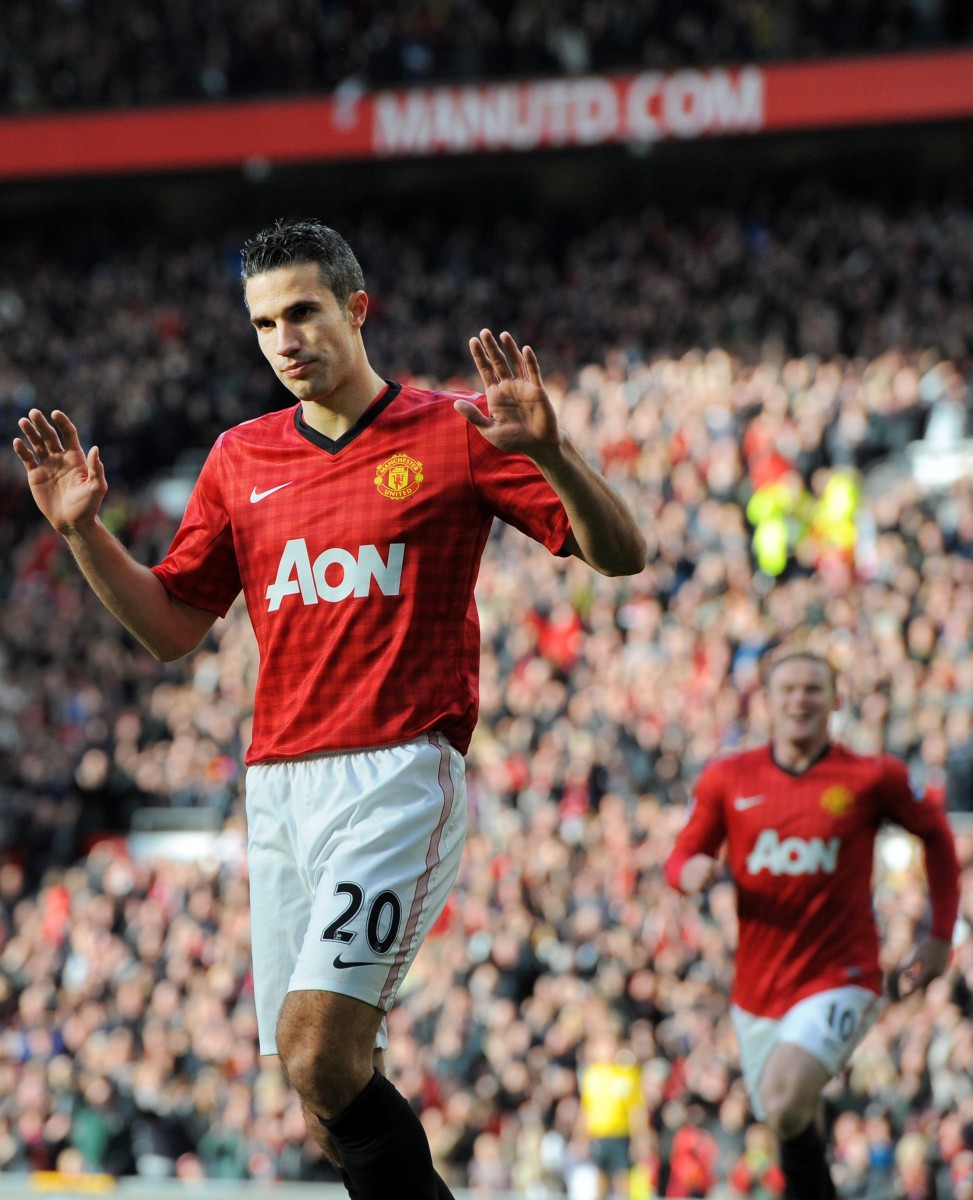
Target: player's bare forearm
pixel 605 531
pixel 68 486
pixel 165 626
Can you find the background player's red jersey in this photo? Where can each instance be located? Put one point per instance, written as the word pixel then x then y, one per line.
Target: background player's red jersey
pixel 357 559
pixel 800 849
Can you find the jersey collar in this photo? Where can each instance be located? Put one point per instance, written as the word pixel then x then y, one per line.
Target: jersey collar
pixel 822 753
pixel 333 445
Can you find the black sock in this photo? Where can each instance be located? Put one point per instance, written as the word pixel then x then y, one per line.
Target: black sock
pixel 805 1165
pixel 346 1180
pixel 442 1191
pixel 383 1147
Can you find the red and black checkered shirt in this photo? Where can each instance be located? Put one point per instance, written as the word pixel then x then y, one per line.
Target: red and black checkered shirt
pixel 357 559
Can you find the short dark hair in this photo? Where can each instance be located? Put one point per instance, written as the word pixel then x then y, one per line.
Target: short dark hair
pixel 307 241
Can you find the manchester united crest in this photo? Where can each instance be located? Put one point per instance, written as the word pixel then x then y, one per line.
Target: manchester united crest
pixel 837 800
pixel 398 477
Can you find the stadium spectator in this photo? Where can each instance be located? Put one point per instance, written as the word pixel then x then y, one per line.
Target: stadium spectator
pixel 692 1164
pixel 757 1173
pixel 609 1080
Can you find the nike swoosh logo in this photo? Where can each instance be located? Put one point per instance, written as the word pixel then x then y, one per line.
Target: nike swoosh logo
pixel 744 802
pixel 340 963
pixel 256 497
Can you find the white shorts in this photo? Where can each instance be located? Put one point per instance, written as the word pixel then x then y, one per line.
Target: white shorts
pixel 828 1025
pixel 351 860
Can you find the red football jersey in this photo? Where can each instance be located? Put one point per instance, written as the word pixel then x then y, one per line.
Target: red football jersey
pixel 800 850
pixel 357 559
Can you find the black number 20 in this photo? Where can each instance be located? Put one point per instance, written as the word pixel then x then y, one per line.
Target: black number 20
pixel 384 912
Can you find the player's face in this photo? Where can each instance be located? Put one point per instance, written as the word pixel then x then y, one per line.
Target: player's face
pixel 312 342
pixel 802 698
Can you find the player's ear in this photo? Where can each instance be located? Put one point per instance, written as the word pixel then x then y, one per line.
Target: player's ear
pixel 357 308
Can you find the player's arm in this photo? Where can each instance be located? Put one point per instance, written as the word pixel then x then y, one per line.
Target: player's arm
pixel 603 531
pixel 69 487
pixel 521 418
pixel 928 823
pixel 693 866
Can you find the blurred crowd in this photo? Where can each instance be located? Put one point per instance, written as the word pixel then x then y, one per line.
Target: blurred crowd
pixel 148 342
pixel 129 1042
pixel 119 53
pixel 755 388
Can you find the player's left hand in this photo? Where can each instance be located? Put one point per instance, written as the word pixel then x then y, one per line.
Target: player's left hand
pixel 930 960
pixel 521 416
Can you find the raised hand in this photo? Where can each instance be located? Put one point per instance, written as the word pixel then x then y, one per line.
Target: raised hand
pixel 68 485
pixel 521 415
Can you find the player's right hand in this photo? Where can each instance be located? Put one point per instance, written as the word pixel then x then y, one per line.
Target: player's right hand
pixel 68 486
pixel 931 958
pixel 698 873
pixel 521 416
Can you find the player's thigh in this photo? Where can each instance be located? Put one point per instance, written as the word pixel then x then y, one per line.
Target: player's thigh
pixel 796 1055
pixel 280 899
pixel 790 1086
pixel 830 1024
pixel 383 857
pixel 756 1038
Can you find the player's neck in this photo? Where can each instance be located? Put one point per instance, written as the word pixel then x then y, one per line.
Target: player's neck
pixel 333 415
pixel 797 756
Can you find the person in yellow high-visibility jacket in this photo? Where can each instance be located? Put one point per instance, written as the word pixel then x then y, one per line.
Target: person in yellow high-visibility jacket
pixel 831 529
pixel 611 1107
pixel 777 511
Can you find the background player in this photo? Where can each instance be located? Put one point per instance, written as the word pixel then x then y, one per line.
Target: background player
pixel 799 818
pixel 353 522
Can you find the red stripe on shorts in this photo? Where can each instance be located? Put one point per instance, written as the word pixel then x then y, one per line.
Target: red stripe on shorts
pixel 432 858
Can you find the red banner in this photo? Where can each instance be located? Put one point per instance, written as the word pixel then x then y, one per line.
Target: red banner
pixel 523 116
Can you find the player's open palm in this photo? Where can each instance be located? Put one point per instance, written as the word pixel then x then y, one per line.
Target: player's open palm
pixel 520 415
pixel 68 485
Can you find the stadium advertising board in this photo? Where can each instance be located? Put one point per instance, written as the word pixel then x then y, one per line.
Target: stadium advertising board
pixel 522 116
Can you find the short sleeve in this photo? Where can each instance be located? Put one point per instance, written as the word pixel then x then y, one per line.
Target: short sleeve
pixel 200 567
pixel 512 488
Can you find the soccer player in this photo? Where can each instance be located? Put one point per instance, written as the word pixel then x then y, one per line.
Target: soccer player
pixel 799 818
pixel 353 521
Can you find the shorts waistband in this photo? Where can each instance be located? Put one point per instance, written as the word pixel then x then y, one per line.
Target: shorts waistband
pixel 315 755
